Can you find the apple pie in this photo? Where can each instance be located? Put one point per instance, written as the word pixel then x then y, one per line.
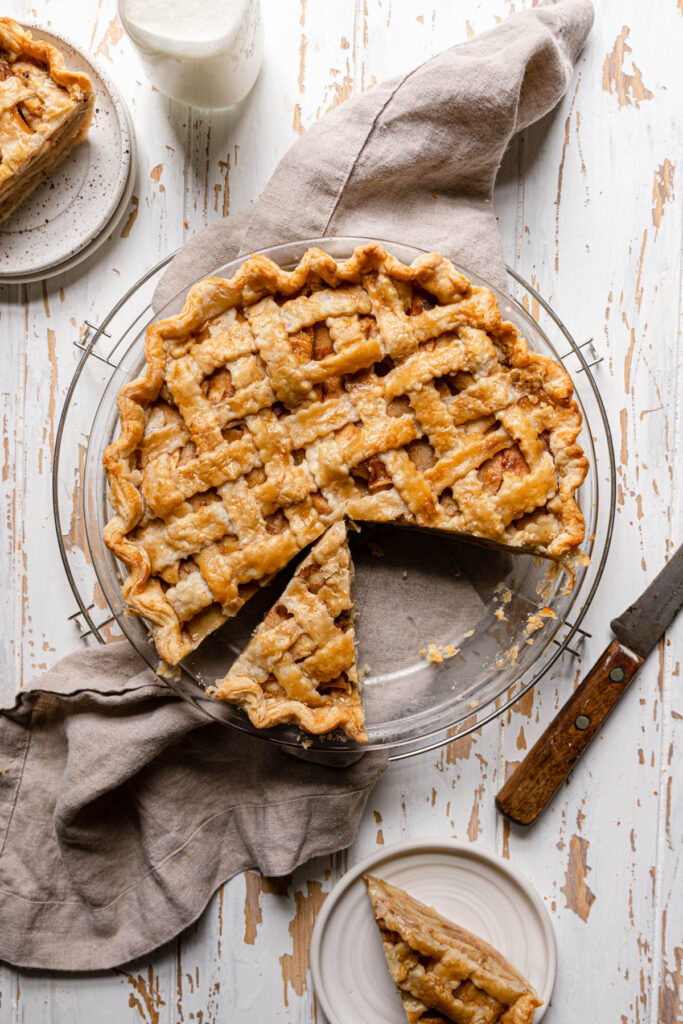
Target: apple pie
pixel 45 110
pixel 442 972
pixel 278 402
pixel 300 664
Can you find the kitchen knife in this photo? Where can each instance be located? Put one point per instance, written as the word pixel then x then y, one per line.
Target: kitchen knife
pixel 638 631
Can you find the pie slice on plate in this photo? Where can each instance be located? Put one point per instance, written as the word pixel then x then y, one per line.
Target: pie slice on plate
pixel 45 110
pixel 300 664
pixel 442 972
pixel 278 402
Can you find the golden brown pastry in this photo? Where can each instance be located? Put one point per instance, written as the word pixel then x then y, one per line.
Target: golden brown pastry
pixel 45 110
pixel 442 972
pixel 300 664
pixel 279 401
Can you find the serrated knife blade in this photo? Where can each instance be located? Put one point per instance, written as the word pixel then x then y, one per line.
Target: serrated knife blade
pixel 643 624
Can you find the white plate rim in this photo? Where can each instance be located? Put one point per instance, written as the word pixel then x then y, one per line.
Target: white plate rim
pixel 125 181
pixel 452 846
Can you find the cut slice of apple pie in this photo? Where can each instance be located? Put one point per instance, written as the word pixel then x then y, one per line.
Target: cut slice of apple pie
pixel 45 110
pixel 442 972
pixel 300 664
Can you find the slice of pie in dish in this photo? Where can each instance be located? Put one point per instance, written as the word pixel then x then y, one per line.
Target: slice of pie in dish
pixel 442 972
pixel 300 664
pixel 277 402
pixel 45 110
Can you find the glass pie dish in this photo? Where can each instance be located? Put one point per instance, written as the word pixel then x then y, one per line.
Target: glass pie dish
pixel 449 632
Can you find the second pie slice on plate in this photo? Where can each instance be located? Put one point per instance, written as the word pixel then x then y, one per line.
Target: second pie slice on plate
pixel 443 972
pixel 45 111
pixel 300 665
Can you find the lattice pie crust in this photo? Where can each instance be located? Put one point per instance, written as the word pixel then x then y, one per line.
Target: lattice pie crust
pixel 45 110
pixel 442 972
pixel 278 402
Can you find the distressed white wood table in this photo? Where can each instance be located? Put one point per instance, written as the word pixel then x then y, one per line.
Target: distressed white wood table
pixel 590 205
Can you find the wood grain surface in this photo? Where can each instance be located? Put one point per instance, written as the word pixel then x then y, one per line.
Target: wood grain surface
pixel 590 206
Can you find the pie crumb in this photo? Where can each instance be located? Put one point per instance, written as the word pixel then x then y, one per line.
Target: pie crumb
pixel 507 658
pixel 500 615
pixel 544 587
pixel 434 654
pixel 167 672
pixel 533 623
pixel 470 632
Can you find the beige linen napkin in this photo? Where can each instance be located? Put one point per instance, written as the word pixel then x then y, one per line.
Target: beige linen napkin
pixel 121 809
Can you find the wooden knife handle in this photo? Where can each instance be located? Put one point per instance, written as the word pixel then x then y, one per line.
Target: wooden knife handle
pixel 533 784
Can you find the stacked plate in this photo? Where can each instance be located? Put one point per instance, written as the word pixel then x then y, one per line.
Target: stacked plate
pixel 78 206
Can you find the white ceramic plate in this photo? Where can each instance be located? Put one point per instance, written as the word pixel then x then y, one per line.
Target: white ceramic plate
pixel 476 889
pixel 78 205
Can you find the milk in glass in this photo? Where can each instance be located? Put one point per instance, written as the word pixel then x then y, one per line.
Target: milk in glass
pixel 206 54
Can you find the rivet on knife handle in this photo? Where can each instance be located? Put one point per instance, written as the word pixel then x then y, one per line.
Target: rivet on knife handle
pixel 533 784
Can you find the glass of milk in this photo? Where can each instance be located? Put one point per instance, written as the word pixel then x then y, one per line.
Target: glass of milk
pixel 206 53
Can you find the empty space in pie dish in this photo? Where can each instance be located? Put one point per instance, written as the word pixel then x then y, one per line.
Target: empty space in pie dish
pixel 449 631
pixel 426 627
